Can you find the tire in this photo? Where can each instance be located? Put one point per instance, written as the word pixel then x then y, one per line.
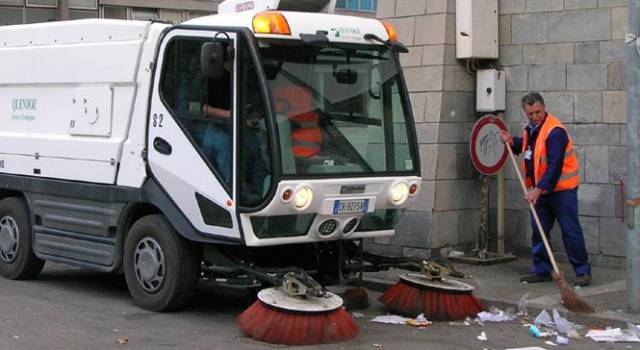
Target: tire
pixel 17 260
pixel 160 267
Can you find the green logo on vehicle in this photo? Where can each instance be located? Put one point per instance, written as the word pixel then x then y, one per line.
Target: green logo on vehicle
pixel 23 108
pixel 348 33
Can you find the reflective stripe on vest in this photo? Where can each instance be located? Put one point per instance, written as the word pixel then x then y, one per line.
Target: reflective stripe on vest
pixel 570 177
pixel 295 102
pixel 306 137
pixel 543 160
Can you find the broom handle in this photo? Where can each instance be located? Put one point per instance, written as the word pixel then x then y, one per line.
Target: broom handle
pixel 533 211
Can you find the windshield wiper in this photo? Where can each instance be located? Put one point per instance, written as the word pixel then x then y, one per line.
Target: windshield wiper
pixel 394 46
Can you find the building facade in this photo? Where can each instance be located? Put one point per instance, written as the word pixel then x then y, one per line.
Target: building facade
pixel 573 52
pixel 570 50
pixel 35 11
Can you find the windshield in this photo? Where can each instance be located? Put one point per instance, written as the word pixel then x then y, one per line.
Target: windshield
pixel 339 110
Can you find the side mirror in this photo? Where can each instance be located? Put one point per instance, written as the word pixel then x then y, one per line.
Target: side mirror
pixel 212 60
pixel 347 76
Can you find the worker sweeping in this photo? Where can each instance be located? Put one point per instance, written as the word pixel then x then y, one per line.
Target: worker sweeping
pixel 551 169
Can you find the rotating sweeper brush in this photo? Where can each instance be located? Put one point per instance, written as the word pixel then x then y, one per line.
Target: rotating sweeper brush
pixel 299 312
pixel 431 294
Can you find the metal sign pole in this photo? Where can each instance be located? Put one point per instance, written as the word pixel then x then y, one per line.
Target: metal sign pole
pixel 500 213
pixel 500 208
pixel 488 155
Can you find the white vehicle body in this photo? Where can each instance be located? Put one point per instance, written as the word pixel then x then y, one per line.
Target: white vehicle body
pixel 88 138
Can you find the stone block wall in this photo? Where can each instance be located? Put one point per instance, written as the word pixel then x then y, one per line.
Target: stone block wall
pixel 572 51
pixel 443 101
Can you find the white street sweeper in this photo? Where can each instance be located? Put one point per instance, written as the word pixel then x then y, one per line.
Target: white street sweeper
pixel 239 146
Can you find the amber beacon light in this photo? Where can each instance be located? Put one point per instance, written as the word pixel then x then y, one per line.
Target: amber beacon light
pixel 271 22
pixel 393 35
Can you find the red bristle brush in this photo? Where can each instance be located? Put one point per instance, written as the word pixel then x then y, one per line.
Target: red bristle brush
pixel 438 298
pixel 297 315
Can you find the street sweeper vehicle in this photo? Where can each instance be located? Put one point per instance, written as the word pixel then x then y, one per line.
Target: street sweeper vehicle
pixel 253 147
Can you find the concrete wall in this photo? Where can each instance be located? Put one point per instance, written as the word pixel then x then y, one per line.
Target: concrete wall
pixel 442 96
pixel 572 51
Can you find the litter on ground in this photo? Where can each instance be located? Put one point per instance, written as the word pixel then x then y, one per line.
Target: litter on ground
pixel 562 340
pixel 535 331
pixel 543 318
pixel 495 315
pixel 390 319
pixel 612 335
pixel 538 333
pixel 558 322
pixel 482 336
pixel 564 326
pixel 419 321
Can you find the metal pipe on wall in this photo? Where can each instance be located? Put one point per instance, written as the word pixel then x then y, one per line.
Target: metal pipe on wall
pixel 63 10
pixel 633 155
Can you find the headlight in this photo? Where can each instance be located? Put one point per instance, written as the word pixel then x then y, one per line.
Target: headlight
pixel 399 193
pixel 303 198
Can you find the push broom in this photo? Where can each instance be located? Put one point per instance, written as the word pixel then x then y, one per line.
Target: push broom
pixel 431 294
pixel 299 312
pixel 569 298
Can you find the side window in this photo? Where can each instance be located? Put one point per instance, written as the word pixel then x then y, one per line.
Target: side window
pixel 201 106
pixel 255 154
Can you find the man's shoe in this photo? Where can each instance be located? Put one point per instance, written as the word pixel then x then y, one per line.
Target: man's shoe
pixel 533 278
pixel 582 280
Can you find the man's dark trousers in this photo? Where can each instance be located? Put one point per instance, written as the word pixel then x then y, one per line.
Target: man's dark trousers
pixel 563 206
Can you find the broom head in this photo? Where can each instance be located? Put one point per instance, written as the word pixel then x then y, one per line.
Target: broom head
pixel 569 298
pixel 279 318
pixel 438 300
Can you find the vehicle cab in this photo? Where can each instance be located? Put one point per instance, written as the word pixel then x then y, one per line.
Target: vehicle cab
pixel 288 126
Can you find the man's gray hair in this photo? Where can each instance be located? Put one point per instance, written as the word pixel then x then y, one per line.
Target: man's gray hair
pixel 531 98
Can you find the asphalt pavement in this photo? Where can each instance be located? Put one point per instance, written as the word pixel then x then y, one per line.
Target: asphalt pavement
pixel 71 308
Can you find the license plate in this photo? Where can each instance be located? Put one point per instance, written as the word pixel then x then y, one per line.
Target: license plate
pixel 350 206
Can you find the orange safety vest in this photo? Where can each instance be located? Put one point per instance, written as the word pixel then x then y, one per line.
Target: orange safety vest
pixel 306 136
pixel 570 178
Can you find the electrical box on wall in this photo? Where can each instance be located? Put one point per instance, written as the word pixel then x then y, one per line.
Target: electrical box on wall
pixel 477 29
pixel 490 90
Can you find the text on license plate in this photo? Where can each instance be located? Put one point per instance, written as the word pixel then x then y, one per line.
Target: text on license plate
pixel 351 206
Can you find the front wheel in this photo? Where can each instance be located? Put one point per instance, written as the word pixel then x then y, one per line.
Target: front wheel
pixel 17 260
pixel 161 268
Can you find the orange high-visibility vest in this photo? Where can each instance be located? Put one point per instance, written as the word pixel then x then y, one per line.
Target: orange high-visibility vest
pixel 570 178
pixel 306 136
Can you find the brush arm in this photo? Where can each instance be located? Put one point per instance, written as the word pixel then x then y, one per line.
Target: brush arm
pixel 534 212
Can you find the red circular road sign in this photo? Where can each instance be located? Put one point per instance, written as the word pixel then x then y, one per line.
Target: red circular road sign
pixel 488 152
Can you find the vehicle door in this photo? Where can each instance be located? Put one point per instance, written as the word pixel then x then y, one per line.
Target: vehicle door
pixel 192 130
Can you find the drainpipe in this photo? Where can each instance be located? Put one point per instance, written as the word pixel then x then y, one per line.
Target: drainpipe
pixel 63 10
pixel 633 155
